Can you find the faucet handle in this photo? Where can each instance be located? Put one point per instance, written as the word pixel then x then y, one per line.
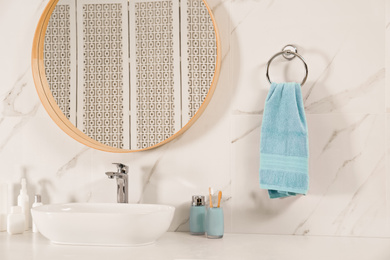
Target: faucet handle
pixel 122 168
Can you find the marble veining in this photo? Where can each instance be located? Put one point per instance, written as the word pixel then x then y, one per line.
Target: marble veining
pixel 72 163
pixel 14 93
pixel 12 131
pixel 40 7
pixel 334 102
pixel 148 177
pixel 349 129
pixel 153 171
pixel 255 112
pixel 325 70
pixel 302 224
pixel 347 114
pixel 183 225
pixel 354 203
pixel 251 8
pixel 249 131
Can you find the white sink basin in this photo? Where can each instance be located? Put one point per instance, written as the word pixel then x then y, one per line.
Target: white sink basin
pixel 103 224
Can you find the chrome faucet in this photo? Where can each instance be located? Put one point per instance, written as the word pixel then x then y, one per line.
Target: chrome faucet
pixel 121 181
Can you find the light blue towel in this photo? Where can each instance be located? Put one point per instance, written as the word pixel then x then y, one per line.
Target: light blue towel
pixel 284 147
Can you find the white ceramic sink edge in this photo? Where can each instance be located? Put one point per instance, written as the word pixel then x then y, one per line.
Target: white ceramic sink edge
pixel 103 224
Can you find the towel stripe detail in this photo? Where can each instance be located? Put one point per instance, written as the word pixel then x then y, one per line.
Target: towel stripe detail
pixel 283 163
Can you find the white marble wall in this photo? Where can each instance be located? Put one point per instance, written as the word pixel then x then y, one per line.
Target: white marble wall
pixel 347 106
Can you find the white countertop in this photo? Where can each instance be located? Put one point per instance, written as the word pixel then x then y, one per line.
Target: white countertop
pixel 183 246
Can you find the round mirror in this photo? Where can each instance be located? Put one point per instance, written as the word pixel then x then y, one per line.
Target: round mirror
pixel 125 75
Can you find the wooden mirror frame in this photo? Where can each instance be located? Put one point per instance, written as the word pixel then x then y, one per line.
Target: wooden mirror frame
pixel 54 111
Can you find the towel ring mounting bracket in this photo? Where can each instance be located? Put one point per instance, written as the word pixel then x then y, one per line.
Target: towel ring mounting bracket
pixel 289 52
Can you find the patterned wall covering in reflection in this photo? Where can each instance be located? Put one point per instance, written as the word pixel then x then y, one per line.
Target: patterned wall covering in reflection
pixel 202 54
pixel 57 57
pixel 167 50
pixel 155 109
pixel 102 54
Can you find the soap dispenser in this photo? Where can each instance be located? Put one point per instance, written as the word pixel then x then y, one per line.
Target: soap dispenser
pixel 197 215
pixel 36 203
pixel 23 202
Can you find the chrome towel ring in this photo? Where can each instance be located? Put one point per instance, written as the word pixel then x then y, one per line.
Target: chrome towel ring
pixel 289 52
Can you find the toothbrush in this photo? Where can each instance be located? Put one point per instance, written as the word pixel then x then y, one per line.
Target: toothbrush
pixel 211 201
pixel 219 198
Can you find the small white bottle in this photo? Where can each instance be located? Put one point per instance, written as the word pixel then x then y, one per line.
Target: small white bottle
pixel 3 206
pixel 36 203
pixel 24 203
pixel 15 221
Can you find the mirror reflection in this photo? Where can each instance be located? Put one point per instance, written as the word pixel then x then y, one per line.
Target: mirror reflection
pixel 130 74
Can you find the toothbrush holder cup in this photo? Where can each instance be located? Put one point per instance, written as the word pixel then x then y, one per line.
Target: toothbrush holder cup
pixel 214 223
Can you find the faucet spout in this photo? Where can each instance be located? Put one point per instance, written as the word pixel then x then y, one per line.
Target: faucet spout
pixel 122 196
pixel 121 181
pixel 111 175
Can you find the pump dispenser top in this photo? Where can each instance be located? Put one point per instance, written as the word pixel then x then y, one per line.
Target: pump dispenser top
pixel 23 190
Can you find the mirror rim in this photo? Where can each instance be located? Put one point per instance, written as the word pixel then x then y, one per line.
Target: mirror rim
pixel 54 111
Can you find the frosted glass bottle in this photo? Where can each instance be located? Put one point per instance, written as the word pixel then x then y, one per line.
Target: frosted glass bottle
pixel 197 215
